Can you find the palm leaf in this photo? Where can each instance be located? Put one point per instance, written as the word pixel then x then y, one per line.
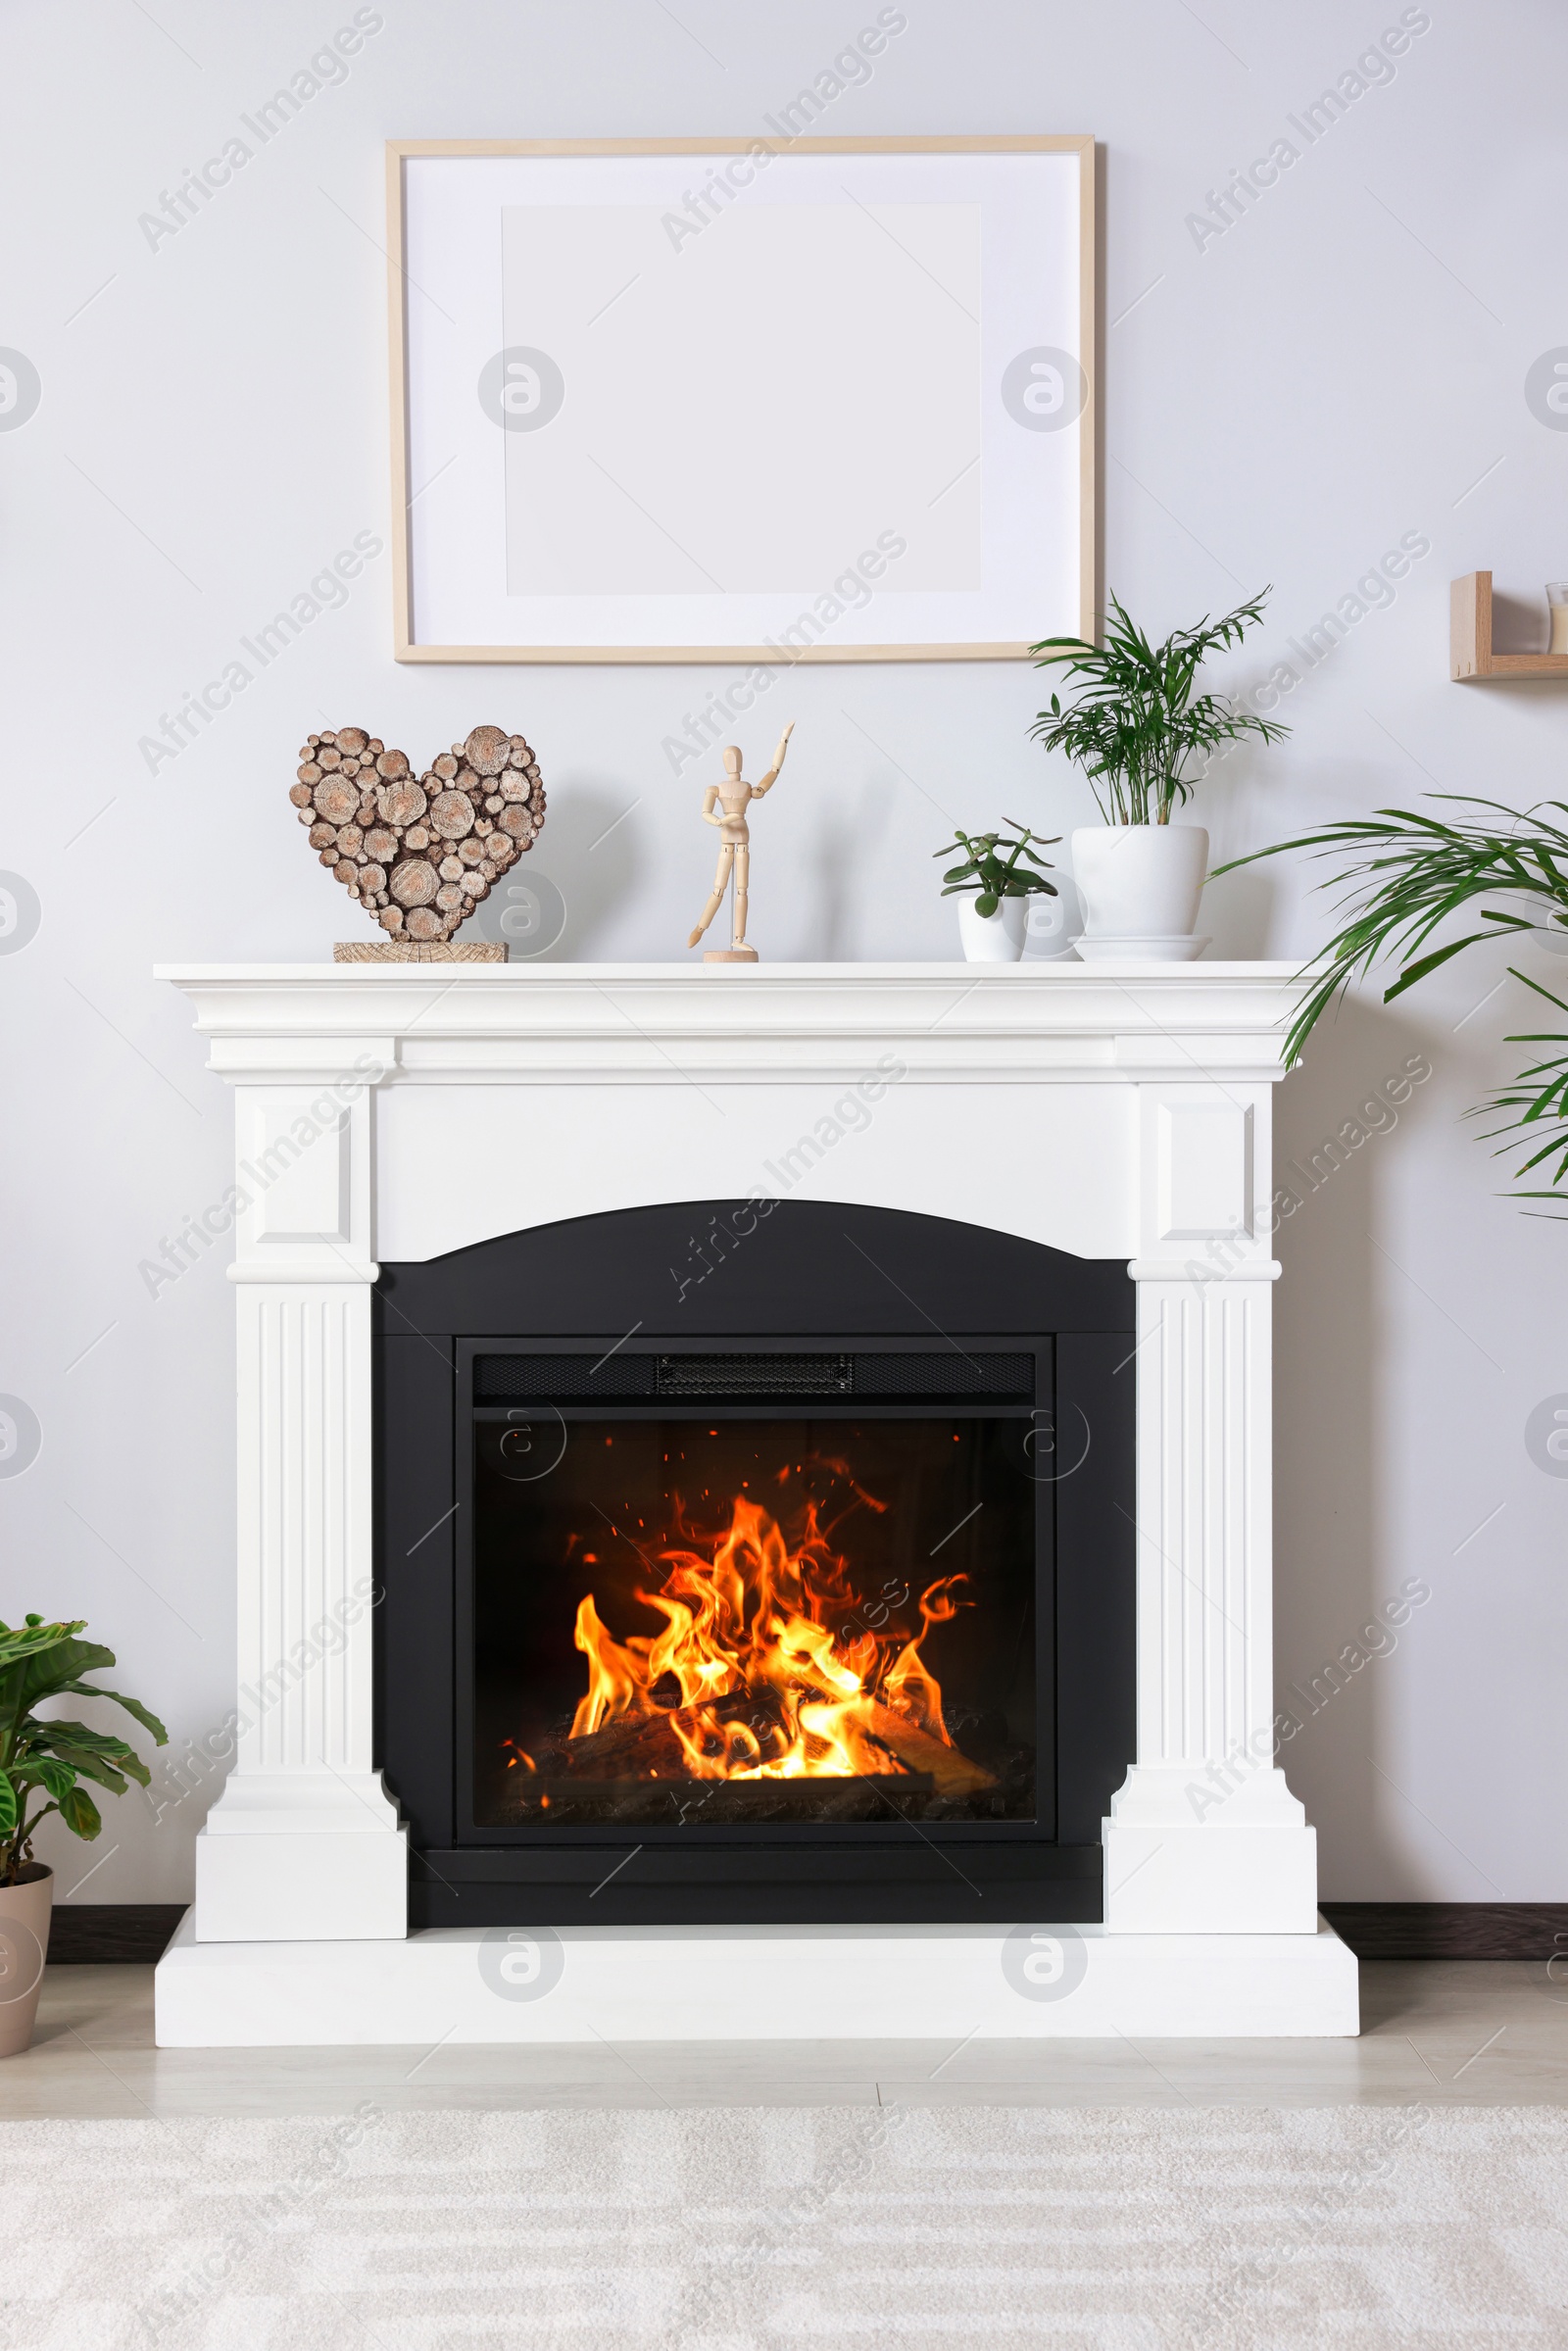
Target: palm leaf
pixel 1410 872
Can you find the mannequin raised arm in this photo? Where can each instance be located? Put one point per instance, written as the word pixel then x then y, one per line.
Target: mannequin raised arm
pixel 770 777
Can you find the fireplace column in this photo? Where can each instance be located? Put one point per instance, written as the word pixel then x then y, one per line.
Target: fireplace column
pixel 304 1844
pixel 1204 1835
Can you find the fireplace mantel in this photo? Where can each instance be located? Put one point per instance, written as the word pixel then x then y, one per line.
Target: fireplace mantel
pixel 792 1023
pixel 401 1111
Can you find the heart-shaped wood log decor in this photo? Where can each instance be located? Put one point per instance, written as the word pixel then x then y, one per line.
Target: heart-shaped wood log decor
pixel 419 853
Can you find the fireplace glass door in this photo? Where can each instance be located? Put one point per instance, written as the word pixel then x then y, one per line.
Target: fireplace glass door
pixel 689 1615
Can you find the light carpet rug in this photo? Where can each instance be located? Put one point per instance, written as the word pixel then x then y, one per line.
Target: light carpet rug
pixel 747 2228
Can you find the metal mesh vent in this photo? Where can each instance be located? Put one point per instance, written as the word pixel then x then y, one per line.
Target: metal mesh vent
pixel 716 1377
pixel 504 1379
pixel 955 1371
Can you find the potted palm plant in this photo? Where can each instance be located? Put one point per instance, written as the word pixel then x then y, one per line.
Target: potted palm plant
pixel 994 886
pixel 1407 873
pixel 47 1757
pixel 1133 728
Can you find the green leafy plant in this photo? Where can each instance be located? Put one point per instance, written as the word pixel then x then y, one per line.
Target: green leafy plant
pixel 1137 721
pixel 991 870
pixel 1410 872
pixel 39 1662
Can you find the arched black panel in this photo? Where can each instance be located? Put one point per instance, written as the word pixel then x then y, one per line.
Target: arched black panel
pixel 733 1268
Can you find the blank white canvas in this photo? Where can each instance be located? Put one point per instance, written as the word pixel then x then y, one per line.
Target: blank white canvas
pixel 747 407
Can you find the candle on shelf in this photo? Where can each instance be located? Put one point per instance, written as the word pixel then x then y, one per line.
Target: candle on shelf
pixel 1557 607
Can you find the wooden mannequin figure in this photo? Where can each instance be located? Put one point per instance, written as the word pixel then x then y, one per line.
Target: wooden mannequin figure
pixel 724 806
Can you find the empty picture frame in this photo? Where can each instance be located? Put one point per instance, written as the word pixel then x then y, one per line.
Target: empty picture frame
pixel 730 400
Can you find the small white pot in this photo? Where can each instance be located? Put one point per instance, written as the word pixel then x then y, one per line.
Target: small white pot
pixel 992 938
pixel 1141 884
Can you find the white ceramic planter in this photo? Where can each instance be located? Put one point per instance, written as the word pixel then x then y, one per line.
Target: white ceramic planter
pixel 992 938
pixel 1141 884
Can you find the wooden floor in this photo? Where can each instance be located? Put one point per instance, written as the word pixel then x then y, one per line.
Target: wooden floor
pixel 1489 2032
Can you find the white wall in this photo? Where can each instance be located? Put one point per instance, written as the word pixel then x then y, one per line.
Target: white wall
pixel 1344 364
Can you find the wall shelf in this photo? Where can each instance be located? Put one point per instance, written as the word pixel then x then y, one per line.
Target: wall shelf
pixel 1470 653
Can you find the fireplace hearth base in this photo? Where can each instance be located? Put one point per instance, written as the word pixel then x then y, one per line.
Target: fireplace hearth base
pixel 938 1985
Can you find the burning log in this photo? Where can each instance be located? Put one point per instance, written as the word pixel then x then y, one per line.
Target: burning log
pixel 765 1672
pixel 631 1747
pixel 949 1773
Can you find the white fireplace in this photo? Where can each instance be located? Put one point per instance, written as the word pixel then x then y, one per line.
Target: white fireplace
pixel 399 1112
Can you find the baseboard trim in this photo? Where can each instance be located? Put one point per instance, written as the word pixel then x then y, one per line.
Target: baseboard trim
pixel 1536 1931
pixel 136 1934
pixel 124 1933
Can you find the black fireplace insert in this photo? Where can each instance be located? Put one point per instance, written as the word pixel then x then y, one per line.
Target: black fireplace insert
pixel 750 1563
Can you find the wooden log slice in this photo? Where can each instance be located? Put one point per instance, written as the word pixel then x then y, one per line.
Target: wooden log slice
pixel 324 836
pixel 352 740
pixel 414 884
pixel 310 772
pixel 421 924
pixel 446 766
pixel 373 879
pixel 350 840
pixel 519 822
pixel 469 851
pixel 392 766
pixel 487 749
pixel 336 802
pixel 382 843
pixel 300 794
pixel 448 897
pixel 452 815
pixel 400 805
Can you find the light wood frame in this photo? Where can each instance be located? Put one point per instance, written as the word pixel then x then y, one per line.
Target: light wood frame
pixel 1079 143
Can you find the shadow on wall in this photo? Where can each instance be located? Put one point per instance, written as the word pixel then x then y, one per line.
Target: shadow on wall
pixel 1361 1077
pixel 579 876
pixel 1237 914
pixel 842 839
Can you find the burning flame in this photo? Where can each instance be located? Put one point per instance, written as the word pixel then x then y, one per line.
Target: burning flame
pixel 767 1667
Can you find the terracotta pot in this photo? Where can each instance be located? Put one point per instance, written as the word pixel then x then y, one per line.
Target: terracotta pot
pixel 24 1911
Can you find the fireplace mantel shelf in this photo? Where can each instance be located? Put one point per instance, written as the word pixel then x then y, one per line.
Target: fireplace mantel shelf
pixel 787 1023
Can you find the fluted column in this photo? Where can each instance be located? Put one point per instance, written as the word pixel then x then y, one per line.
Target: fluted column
pixel 304 1842
pixel 1204 1835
